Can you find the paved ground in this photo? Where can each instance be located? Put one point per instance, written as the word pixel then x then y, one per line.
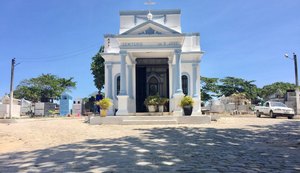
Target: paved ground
pixel 229 145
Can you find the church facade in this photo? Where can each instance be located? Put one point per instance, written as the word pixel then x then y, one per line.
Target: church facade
pixel 151 55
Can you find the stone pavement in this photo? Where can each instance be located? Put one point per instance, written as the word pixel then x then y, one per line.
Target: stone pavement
pixel 275 148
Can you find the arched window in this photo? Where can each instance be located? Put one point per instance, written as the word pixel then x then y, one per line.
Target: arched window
pixel 118 85
pixel 185 84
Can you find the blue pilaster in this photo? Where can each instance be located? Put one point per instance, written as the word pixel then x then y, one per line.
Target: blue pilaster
pixel 109 80
pixel 173 79
pixel 123 54
pixel 129 68
pixel 195 76
pixel 178 71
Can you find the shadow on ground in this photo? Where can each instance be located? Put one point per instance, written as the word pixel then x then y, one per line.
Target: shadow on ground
pixel 172 149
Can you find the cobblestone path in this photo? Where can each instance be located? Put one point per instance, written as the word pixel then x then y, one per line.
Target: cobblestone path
pixel 274 148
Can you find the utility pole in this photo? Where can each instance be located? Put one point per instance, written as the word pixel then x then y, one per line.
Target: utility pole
pixel 11 96
pixel 296 69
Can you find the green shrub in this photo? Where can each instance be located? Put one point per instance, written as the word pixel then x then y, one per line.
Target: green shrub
pixel 186 101
pixel 104 104
pixel 151 100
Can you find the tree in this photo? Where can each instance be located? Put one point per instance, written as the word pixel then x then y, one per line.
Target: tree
pixel 281 87
pixel 97 68
pixel 231 85
pixel 46 86
pixel 209 88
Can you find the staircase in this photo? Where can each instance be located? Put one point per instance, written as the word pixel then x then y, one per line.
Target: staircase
pixel 149 119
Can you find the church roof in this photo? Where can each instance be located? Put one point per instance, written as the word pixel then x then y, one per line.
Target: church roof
pixel 149 22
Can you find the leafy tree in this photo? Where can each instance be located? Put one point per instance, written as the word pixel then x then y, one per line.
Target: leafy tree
pixel 43 87
pixel 97 68
pixel 209 88
pixel 231 85
pixel 280 87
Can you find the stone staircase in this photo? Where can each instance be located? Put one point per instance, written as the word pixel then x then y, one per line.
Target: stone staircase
pixel 148 120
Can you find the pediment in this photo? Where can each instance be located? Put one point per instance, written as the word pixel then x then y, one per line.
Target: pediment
pixel 150 28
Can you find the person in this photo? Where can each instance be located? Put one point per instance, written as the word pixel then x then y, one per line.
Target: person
pixel 92 104
pixel 98 98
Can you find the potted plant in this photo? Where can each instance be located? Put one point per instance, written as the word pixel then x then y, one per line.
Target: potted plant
pixel 104 104
pixel 161 103
pixel 151 103
pixel 187 105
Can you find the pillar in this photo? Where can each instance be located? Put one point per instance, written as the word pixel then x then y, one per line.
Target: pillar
pixel 178 71
pixel 130 86
pixel 195 76
pixel 123 97
pixel 123 55
pixel 109 80
pixel 178 95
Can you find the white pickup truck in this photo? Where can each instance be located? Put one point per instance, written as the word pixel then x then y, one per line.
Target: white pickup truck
pixel 274 109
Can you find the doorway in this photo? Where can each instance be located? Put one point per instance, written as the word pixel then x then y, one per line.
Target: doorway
pixel 152 77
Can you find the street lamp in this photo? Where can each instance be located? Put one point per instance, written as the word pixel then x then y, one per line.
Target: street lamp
pixel 296 66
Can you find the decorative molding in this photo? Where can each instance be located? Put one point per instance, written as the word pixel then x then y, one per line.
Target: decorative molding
pixel 150 22
pixel 190 61
pixel 123 52
pixel 150 47
pixel 109 53
pixel 160 35
pixel 177 51
pixel 154 12
pixel 111 62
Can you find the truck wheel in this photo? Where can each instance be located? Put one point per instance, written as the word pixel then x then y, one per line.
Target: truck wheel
pixel 272 114
pixel 257 113
pixel 290 116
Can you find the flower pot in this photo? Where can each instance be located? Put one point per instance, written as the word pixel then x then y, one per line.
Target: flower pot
pixel 160 108
pixel 103 113
pixel 151 108
pixel 187 110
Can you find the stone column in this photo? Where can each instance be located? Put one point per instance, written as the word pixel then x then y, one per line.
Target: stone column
pixel 129 68
pixel 109 80
pixel 123 55
pixel 178 86
pixel 196 90
pixel 195 76
pixel 123 97
pixel 178 71
pixel 173 79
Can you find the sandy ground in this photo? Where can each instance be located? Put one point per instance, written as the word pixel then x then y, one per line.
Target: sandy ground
pixel 33 134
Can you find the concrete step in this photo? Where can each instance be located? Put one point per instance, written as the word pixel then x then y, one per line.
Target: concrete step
pixel 152 118
pixel 153 114
pixel 148 122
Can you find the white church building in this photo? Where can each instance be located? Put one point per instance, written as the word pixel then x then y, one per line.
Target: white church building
pixel 151 55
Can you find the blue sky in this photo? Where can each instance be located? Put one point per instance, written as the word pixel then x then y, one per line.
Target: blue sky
pixel 240 38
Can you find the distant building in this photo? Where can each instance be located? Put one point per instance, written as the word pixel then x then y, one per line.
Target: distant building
pixel 65 104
